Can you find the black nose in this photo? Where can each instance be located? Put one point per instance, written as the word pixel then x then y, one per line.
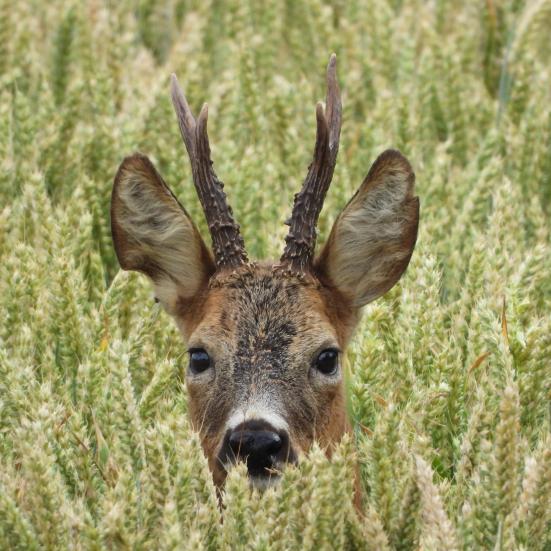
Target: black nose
pixel 259 445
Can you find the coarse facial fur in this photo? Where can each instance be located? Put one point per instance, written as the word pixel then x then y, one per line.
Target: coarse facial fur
pixel 264 333
pixel 263 327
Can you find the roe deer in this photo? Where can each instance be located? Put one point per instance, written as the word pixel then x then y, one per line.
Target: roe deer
pixel 265 339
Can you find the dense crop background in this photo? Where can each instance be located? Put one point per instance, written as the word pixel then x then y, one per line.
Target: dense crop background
pixel 449 373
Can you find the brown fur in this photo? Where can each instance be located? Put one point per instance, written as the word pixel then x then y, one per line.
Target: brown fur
pixel 207 319
pixel 263 328
pixel 153 234
pixel 372 240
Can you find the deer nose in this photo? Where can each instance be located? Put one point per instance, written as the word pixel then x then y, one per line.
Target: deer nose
pixel 257 444
pixel 264 448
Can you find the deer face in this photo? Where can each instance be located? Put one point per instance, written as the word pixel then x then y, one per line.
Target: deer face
pixel 264 377
pixel 265 340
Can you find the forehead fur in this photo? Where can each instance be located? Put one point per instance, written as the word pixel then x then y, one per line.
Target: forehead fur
pixel 262 293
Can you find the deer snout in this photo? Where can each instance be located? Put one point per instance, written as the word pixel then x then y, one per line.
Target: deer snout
pixel 263 448
pixel 255 443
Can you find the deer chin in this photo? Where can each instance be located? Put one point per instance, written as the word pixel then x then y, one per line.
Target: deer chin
pixel 263 482
pixel 261 479
pixel 268 478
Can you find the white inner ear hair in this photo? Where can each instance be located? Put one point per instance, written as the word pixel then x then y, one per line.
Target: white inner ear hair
pixel 161 234
pixel 369 236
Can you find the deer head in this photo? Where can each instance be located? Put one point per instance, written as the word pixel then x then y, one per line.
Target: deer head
pixel 265 340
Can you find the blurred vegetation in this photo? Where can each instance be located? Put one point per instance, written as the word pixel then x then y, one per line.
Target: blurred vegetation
pixel 449 373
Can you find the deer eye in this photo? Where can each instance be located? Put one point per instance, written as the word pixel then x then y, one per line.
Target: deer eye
pixel 199 360
pixel 328 361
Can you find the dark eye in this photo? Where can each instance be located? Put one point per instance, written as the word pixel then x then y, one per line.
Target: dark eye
pixel 199 360
pixel 328 361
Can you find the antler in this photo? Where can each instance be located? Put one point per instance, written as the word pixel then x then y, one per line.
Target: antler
pixel 227 243
pixel 301 239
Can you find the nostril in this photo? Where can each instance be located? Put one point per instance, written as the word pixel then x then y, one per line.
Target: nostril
pixel 239 442
pixel 273 444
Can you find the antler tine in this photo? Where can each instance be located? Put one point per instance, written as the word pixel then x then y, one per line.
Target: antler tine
pixel 301 239
pixel 227 243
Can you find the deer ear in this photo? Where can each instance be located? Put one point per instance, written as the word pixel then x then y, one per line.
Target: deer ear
pixel 153 233
pixel 373 238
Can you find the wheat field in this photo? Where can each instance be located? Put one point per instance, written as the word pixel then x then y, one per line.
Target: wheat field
pixel 448 375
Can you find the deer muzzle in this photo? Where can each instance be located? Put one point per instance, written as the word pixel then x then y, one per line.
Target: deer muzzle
pixel 264 448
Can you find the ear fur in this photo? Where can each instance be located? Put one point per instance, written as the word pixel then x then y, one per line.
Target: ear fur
pixel 154 234
pixel 373 238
